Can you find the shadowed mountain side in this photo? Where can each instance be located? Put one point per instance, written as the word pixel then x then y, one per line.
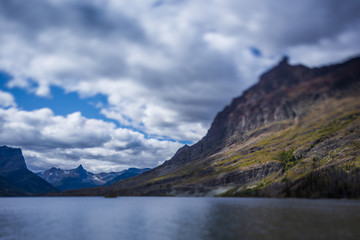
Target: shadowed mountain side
pixel 7 189
pixel 294 124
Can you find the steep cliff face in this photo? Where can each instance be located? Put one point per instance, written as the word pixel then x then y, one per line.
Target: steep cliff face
pixel 16 179
pixel 294 123
pixel 11 159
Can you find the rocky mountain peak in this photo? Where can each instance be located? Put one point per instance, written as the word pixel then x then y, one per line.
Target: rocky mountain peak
pixel 284 60
pixel 11 159
pixel 80 167
pixel 82 172
pixel 283 75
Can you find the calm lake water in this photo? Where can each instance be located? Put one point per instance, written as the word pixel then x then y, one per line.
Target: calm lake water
pixel 177 218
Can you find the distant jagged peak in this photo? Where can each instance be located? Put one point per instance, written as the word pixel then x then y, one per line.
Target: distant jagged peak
pixel 80 167
pixel 82 172
pixel 55 169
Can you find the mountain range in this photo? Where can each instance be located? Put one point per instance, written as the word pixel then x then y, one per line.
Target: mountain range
pixel 17 180
pixel 296 133
pixel 80 178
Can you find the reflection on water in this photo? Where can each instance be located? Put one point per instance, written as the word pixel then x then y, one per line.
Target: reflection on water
pixel 178 218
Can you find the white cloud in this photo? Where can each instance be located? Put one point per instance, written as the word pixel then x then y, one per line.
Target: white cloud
pixel 6 100
pixel 220 42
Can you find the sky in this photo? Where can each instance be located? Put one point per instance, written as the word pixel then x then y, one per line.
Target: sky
pixel 113 84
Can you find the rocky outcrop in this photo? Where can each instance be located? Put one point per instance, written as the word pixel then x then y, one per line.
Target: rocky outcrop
pixel 245 176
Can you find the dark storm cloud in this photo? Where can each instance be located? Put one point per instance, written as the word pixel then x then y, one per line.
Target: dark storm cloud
pixel 94 19
pixel 288 23
pixel 35 16
pixel 203 74
pixel 134 145
pixel 82 17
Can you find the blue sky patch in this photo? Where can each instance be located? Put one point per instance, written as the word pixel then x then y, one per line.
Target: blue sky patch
pixel 256 52
pixel 60 102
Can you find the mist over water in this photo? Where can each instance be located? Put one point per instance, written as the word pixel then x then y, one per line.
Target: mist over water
pixel 177 218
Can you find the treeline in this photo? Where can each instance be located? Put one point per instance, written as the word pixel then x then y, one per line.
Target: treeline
pixel 326 183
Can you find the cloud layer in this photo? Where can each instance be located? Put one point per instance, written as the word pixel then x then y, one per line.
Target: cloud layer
pixel 166 67
pixel 51 140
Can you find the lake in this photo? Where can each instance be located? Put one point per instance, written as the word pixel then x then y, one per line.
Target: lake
pixel 160 218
